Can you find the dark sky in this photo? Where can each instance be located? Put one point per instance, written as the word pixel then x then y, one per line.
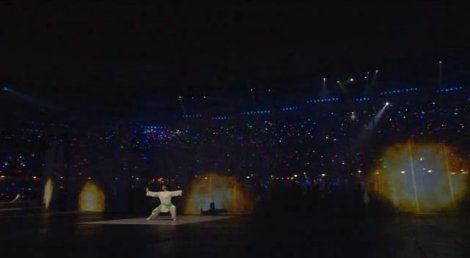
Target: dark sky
pixel 109 52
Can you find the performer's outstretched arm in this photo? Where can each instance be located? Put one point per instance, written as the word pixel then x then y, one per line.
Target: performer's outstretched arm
pixel 176 193
pixel 150 193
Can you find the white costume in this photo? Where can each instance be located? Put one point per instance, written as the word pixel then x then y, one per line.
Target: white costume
pixel 165 203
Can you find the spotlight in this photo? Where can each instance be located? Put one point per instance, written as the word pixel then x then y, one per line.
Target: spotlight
pixel 351 79
pixel 353 116
pixel 5 88
pixel 180 98
pixel 387 103
pixel 324 79
pixel 376 71
pixel 440 62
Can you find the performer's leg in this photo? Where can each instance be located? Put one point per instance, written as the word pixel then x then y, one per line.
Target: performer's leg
pixel 154 214
pixel 173 212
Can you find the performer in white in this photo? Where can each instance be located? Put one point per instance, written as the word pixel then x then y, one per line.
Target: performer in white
pixel 165 202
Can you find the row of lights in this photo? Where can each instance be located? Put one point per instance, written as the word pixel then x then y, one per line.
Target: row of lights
pixel 361 99
pixel 192 116
pixel 322 100
pixel 153 127
pixel 258 112
pixel 221 118
pixel 452 89
pixel 290 108
pixel 399 91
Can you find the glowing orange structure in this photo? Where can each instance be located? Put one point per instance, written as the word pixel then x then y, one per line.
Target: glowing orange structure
pixel 91 198
pixel 225 192
pixel 421 177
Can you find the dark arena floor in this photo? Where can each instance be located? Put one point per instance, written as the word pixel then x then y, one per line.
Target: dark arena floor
pixel 34 233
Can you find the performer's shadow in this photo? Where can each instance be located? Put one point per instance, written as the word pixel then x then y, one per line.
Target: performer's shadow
pixel 212 210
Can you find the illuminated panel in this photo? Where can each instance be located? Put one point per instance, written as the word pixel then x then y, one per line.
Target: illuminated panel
pixel 226 193
pixel 48 191
pixel 91 198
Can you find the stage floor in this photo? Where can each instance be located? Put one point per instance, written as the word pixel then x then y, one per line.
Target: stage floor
pixel 33 233
pixel 160 221
pixel 10 209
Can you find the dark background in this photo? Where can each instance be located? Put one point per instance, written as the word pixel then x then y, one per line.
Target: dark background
pixel 118 57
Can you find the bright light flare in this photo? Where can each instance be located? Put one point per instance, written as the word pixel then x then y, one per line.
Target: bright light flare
pixel 436 187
